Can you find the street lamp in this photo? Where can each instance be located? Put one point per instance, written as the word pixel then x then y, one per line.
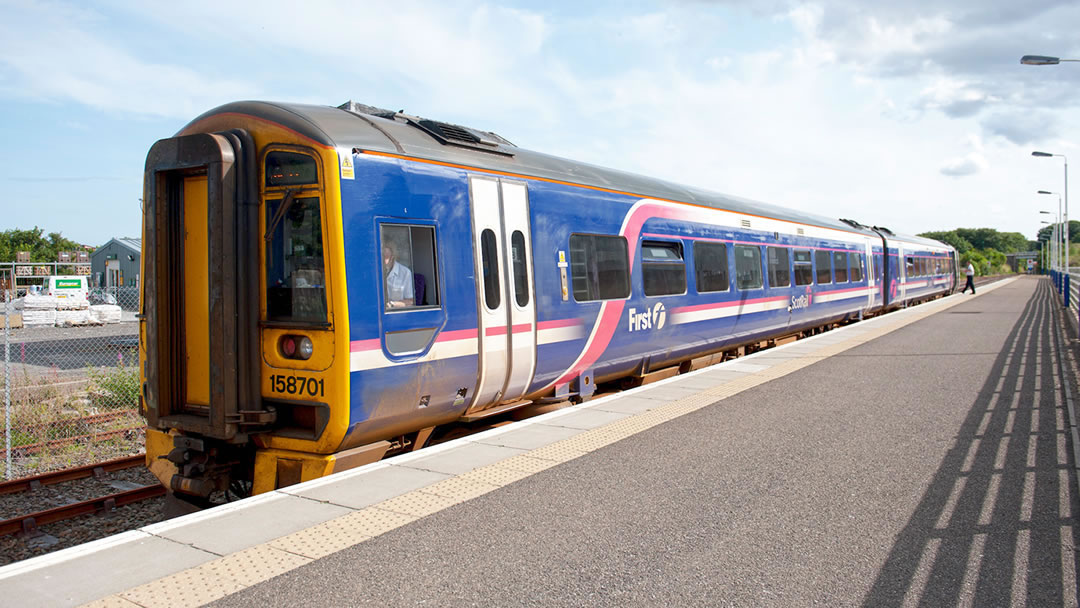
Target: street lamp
pixel 1042 60
pixel 1065 218
pixel 1047 264
pixel 1057 232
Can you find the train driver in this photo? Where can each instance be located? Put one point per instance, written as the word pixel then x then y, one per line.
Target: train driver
pixel 397 280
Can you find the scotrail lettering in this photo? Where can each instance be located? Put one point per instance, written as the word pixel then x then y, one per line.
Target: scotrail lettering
pixel 802 301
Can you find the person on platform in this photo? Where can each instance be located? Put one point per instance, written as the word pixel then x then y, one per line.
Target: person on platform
pixel 398 280
pixel 970 279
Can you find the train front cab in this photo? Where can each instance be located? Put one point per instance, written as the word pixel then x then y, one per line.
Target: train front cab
pixel 237 328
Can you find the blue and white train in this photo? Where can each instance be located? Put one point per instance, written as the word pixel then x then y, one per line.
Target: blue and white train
pixel 322 285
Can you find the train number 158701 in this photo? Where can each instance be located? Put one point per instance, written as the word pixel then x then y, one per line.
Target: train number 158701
pixel 296 385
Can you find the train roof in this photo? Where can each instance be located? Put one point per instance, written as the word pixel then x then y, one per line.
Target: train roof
pixel 361 127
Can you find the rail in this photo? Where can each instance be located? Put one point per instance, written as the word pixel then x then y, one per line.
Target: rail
pixel 46 479
pixel 27 523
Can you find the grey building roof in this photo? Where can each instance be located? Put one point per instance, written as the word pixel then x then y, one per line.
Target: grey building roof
pixel 135 245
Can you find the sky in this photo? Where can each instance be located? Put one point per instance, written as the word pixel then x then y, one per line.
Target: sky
pixel 913 115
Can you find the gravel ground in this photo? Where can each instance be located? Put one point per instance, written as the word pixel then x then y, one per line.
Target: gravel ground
pixel 83 529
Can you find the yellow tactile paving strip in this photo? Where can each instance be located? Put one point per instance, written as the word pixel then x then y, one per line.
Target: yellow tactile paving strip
pixel 235 572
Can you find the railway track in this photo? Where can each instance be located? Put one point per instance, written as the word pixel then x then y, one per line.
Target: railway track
pixel 28 523
pixel 60 509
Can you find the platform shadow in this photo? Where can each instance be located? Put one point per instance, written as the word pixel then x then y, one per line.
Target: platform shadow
pixel 999 513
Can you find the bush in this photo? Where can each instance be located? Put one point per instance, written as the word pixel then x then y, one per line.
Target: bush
pixel 114 388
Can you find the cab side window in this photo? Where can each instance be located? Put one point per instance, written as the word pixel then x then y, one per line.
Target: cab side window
pixel 409 267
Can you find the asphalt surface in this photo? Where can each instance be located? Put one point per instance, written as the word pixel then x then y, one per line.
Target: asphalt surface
pixel 928 467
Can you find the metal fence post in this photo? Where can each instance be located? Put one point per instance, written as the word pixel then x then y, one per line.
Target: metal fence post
pixel 1065 291
pixel 7 383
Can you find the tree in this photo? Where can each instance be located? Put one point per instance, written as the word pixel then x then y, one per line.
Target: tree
pixel 951 237
pixel 42 248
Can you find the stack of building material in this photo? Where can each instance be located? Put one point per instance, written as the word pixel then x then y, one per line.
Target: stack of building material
pixel 105 313
pixel 39 310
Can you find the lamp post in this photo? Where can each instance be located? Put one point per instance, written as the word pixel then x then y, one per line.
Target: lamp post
pixel 1042 60
pixel 1044 250
pixel 1058 236
pixel 1051 256
pixel 1065 217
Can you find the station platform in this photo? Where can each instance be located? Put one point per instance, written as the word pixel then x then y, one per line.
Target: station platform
pixel 925 457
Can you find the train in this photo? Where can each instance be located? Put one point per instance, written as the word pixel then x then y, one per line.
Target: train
pixel 325 285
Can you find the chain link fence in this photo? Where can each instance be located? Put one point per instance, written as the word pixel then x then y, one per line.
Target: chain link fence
pixel 70 382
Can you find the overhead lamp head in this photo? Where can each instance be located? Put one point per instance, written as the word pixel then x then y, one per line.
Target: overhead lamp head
pixel 1039 60
pixel 1041 154
pixel 1044 192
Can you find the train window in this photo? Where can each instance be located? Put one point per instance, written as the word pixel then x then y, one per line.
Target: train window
pixel 711 267
pixel 779 266
pixel 840 265
pixel 408 266
pixel 290 169
pixel 521 272
pixel 295 288
pixel 824 267
pixel 747 267
pixel 489 254
pixel 662 268
pixel 804 269
pixel 599 267
pixel 857 267
pixel 910 267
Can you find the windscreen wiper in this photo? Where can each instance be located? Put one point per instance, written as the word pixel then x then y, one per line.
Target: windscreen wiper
pixel 280 213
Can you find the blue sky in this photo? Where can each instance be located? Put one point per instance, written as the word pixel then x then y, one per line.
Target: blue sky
pixel 917 116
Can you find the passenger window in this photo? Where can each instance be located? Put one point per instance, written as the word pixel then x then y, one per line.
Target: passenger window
pixel 779 267
pixel 521 272
pixel 840 265
pixel 858 266
pixel 804 269
pixel 489 254
pixel 410 278
pixel 662 268
pixel 824 267
pixel 711 267
pixel 599 267
pixel 747 267
pixel 910 268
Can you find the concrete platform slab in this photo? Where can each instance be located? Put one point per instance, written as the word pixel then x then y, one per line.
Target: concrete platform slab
pixel 274 517
pixel 464 458
pixel 361 491
pixel 627 404
pixel 666 392
pixel 585 419
pixel 93 573
pixel 721 375
pixel 698 383
pixel 531 437
pixel 745 366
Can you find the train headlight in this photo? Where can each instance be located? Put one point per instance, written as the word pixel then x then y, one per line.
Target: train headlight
pixel 304 347
pixel 296 347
